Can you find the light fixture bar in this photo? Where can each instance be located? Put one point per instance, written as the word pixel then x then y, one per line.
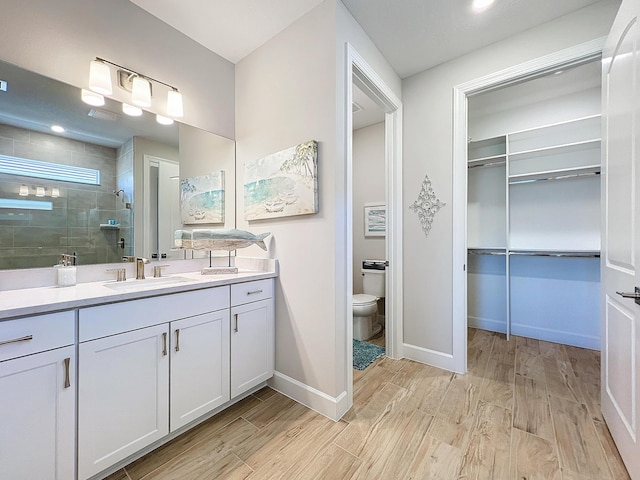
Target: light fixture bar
pixel 52 171
pixel 137 73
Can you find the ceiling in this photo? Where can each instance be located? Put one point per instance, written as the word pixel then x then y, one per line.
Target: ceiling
pixel 413 35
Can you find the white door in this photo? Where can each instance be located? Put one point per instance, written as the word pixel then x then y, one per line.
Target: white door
pixel 621 245
pixel 199 366
pixel 123 401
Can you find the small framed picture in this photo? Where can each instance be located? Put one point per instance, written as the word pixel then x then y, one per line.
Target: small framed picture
pixel 375 219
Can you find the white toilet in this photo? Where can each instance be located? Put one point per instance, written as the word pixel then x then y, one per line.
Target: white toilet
pixel 365 305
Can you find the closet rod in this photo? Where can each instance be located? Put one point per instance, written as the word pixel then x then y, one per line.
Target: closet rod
pixel 488 164
pixel 554 177
pixel 556 254
pixel 475 251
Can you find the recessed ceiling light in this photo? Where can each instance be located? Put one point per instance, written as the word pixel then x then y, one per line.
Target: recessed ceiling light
pixel 57 128
pixel 480 5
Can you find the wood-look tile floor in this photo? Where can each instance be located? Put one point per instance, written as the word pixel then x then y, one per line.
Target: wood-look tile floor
pixel 527 410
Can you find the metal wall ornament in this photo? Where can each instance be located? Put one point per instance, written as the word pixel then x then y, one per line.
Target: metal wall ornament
pixel 426 205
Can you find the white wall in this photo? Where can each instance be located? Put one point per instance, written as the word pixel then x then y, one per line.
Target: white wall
pixel 427 143
pixel 290 90
pixel 369 186
pixel 59 38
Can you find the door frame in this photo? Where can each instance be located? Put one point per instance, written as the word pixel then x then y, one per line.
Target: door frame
pixel 359 71
pixel 574 55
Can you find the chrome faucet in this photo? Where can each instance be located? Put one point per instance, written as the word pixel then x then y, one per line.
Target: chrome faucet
pixel 140 261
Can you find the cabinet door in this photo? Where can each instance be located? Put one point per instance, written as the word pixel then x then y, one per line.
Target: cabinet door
pixel 37 416
pixel 252 345
pixel 199 366
pixel 123 404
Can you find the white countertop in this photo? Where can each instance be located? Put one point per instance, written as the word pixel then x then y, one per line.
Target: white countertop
pixel 30 301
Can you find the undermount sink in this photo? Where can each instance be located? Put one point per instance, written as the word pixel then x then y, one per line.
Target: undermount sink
pixel 153 282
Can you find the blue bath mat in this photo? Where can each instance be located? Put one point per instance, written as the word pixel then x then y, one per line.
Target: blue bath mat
pixel 365 353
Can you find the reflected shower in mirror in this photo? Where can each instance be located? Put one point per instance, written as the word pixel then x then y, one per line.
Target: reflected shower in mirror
pixel 46 206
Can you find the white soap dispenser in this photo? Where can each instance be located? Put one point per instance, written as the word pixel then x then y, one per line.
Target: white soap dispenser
pixel 66 270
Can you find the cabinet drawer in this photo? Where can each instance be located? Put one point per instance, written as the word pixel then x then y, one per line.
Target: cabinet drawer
pixel 251 291
pixel 105 320
pixel 25 336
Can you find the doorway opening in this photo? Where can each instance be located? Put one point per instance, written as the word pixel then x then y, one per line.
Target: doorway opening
pixel 464 264
pixel 367 84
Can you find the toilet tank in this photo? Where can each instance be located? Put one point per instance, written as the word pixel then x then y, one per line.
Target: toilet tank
pixel 373 277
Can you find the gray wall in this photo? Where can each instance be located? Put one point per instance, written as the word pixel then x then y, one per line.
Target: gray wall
pixel 369 186
pixel 40 236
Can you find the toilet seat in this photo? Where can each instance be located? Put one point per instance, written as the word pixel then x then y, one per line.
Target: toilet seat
pixel 362 299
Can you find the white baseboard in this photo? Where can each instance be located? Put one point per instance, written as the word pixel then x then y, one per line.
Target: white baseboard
pixel 331 407
pixel 487 324
pixel 556 336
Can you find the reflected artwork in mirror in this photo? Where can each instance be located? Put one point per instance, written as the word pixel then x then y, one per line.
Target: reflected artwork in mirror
pixel 131 207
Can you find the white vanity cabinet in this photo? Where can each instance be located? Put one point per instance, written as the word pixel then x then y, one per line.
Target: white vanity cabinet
pixel 37 397
pixel 252 335
pixel 129 355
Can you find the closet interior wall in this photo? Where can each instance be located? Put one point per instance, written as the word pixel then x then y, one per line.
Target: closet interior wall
pixel 533 213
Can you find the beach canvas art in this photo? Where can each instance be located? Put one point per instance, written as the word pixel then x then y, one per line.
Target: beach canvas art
pixel 375 219
pixel 202 199
pixel 282 184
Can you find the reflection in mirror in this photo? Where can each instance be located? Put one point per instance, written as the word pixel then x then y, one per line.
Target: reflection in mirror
pixel 124 213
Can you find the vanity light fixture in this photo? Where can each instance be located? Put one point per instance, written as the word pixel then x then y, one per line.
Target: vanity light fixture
pixel 141 92
pixel 57 128
pixel 480 5
pixel 131 110
pixel 174 104
pixel 138 84
pixel 92 98
pixel 100 77
pixel 39 191
pixel 55 192
pixel 24 191
pixel 162 120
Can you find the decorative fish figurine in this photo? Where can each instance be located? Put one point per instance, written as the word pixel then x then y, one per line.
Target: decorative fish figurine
pixel 215 239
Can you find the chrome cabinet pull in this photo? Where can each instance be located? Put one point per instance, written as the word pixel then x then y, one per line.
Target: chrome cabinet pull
pixel 253 292
pixel 17 340
pixel 177 339
pixel 629 294
pixel 67 380
pixel 235 329
pixel 164 344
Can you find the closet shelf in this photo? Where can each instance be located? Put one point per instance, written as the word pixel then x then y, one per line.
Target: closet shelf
pixel 557 253
pixel 556 149
pixel 490 161
pixel 560 174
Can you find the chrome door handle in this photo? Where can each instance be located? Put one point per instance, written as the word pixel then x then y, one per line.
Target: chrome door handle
pixel 67 380
pixel 164 344
pixel 629 294
pixel 177 339
pixel 236 327
pixel 17 340
pixel 635 295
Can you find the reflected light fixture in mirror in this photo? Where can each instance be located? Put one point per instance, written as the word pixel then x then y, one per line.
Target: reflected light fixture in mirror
pixel 162 120
pixel 92 98
pixel 131 110
pixel 481 5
